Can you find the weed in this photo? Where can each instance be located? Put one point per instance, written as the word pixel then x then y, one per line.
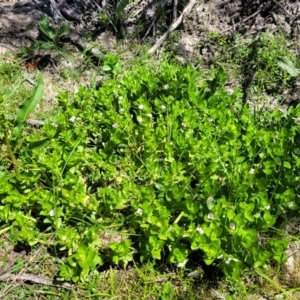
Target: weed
pixel 265 63
pixel 51 35
pixel 170 160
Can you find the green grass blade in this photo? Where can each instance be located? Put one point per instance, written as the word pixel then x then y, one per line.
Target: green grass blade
pixel 121 6
pixel 14 90
pixel 27 107
pixel 288 66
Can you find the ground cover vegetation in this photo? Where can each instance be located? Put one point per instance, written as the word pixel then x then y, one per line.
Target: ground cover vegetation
pixel 160 171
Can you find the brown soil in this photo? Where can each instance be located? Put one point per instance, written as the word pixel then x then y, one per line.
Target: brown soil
pixel 246 17
pixel 19 26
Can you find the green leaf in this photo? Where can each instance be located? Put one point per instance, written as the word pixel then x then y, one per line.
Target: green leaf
pixel 82 253
pixel 106 68
pixel 249 237
pixel 269 219
pixel 121 6
pixel 287 65
pixel 287 165
pixel 25 51
pixel 45 27
pixel 104 17
pixel 179 254
pixel 232 268
pixel 63 30
pixel 154 246
pixel 210 202
pixel 14 90
pixel 278 248
pixel 84 273
pixel 38 145
pixel 66 272
pixel 212 250
pixel 46 45
pixel 27 107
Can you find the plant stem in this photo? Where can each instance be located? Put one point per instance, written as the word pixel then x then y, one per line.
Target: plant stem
pixel 11 154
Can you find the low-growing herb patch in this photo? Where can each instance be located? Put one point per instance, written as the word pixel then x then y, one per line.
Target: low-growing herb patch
pixel 165 163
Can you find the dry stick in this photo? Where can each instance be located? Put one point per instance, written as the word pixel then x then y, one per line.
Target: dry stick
pixel 185 12
pixel 175 10
pixel 282 6
pixel 19 63
pixel 31 81
pixel 35 122
pixel 36 279
pixel 56 11
pixel 253 15
pixel 153 22
pixel 32 122
pixel 7 288
pixel 32 6
pixel 23 276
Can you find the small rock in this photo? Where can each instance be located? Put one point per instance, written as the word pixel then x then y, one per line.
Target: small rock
pixel 187 45
pixel 292 265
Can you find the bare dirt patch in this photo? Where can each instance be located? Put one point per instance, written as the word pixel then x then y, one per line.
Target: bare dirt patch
pixel 16 28
pixel 223 16
pixel 145 21
pixel 245 17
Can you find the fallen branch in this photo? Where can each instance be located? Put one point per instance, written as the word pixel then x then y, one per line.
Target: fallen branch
pixel 32 122
pixel 23 276
pixel 185 12
pixel 175 4
pixel 35 279
pixel 252 15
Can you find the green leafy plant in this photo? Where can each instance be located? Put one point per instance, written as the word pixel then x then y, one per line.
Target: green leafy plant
pixel 52 37
pixel 10 133
pixel 80 264
pixel 114 15
pixel 53 34
pixel 288 66
pixel 111 65
pixel 170 161
pixel 266 62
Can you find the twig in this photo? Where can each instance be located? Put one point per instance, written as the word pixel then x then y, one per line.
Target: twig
pixel 30 5
pixel 23 276
pixel 185 12
pixel 35 279
pixel 31 81
pixel 175 10
pixel 153 22
pixel 282 7
pixel 10 59
pixel 11 263
pixel 253 15
pixel 19 63
pixel 56 11
pixel 35 122
pixel 29 121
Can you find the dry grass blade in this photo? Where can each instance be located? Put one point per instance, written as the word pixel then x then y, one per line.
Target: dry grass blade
pixel 185 12
pixel 21 276
pixel 36 279
pixel 175 10
pixel 11 263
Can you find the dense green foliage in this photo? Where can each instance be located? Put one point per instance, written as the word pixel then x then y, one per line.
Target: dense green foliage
pixel 163 161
